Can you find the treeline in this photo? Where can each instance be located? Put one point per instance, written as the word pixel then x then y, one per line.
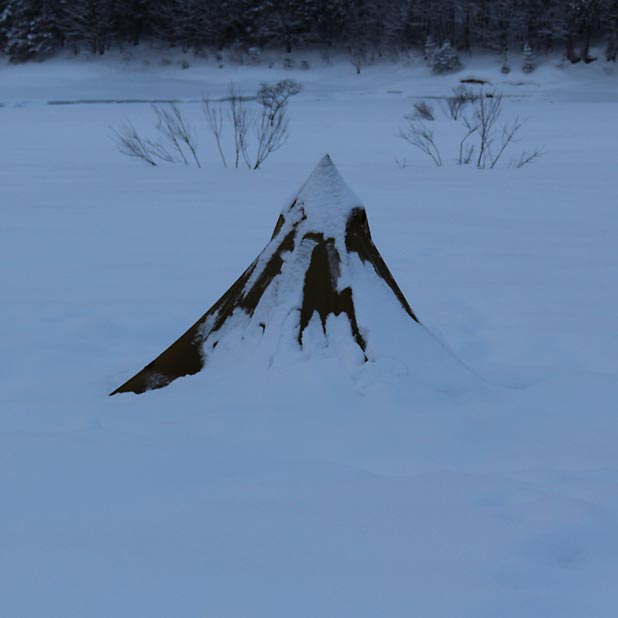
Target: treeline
pixel 35 28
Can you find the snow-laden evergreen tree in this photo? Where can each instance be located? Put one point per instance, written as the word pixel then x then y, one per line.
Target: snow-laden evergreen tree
pixel 130 19
pixel 360 41
pixel 486 23
pixel 89 22
pixel 29 29
pixel 429 50
pixel 609 11
pixel 393 24
pixel 445 59
pixel 584 14
pixel 528 60
pixel 364 26
pixel 179 22
pixel 286 23
pixel 505 69
pixel 330 21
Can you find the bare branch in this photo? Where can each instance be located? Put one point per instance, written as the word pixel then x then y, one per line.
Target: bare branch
pixel 528 157
pixel 509 133
pixel 485 139
pixel 466 151
pixel 401 163
pixel 176 130
pixel 271 133
pixel 214 118
pixel 417 134
pixel 130 143
pixel 160 151
pixel 456 104
pixel 240 117
pixel 487 110
pixel 275 97
pixel 423 111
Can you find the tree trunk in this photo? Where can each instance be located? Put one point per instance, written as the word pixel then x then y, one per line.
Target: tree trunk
pixel 570 50
pixel 585 52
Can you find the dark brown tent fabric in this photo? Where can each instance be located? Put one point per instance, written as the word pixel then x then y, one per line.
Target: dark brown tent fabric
pixel 320 291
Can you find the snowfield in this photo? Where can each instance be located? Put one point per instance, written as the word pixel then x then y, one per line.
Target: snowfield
pixel 308 489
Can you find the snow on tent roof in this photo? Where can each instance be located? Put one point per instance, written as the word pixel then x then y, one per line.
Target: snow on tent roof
pixel 305 275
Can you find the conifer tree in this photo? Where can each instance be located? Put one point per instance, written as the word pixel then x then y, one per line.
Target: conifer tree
pixel 34 28
pixel 445 59
pixel 528 63
pixel 29 29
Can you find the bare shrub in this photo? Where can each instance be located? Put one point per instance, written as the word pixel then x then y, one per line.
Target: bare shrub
pixel 459 100
pixel 527 157
pixel 486 137
pixel 240 119
pixel 466 151
pixel 176 141
pixel 419 135
pixel 423 111
pixel 494 136
pixel 270 132
pixel 274 97
pixel 214 119
pixel 268 124
pixel 271 125
pixel 176 131
pixel 494 139
pixel 130 143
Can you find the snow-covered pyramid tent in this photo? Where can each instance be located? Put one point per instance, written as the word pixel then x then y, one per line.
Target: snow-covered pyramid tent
pixel 319 284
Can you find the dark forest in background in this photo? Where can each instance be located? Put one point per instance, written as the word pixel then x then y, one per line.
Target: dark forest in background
pixel 36 28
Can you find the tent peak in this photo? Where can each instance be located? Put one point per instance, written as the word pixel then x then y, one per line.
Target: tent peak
pixel 324 174
pixel 325 201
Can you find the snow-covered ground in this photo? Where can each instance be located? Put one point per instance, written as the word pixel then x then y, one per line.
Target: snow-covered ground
pixel 306 490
